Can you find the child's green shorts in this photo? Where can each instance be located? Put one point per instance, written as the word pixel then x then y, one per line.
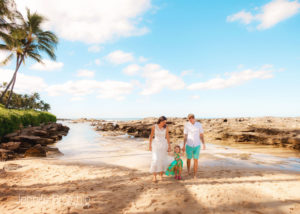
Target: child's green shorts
pixel 192 152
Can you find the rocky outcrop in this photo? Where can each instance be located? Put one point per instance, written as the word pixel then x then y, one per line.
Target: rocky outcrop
pixel 83 120
pixel 12 146
pixel 283 132
pixel 36 151
pixel 32 141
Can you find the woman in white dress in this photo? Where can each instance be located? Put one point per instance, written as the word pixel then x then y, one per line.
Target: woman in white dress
pixel 159 147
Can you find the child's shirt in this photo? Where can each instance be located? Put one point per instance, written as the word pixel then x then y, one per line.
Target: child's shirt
pixel 177 156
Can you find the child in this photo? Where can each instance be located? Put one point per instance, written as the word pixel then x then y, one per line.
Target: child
pixel 175 167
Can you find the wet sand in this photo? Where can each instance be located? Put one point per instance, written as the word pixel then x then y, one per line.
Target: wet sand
pixel 99 174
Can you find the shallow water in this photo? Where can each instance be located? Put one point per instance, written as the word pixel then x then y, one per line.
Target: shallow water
pixel 84 145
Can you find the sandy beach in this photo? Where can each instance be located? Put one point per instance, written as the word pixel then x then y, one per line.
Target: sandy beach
pixel 98 98
pixel 102 174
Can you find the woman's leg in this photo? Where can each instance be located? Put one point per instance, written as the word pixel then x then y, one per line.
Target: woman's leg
pixel 154 176
pixel 161 175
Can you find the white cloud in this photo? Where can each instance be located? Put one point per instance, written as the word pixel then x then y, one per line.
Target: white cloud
pixel 48 65
pixel 142 59
pixel 186 72
pixel 244 17
pixel 195 97
pixel 234 79
pixel 91 21
pixel 158 78
pixel 76 99
pixel 94 48
pixel 270 14
pixel 24 83
pixel 114 89
pixel 277 11
pixel 240 66
pixel 105 89
pixel 132 69
pixel 85 73
pixel 119 57
pixel 97 61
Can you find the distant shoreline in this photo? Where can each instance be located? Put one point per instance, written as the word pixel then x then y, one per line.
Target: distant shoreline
pixel 143 118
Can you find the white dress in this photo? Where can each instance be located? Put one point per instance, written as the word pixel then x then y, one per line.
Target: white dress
pixel 159 151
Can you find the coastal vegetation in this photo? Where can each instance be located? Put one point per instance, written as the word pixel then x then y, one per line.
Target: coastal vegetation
pixel 25 101
pixel 14 119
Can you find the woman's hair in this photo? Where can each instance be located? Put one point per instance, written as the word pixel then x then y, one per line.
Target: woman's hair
pixel 177 146
pixel 162 118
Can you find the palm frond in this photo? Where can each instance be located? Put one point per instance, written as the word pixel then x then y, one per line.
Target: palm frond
pixel 7 59
pixel 4 47
pixel 37 57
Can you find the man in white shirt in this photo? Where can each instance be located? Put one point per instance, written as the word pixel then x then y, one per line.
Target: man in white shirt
pixel 193 137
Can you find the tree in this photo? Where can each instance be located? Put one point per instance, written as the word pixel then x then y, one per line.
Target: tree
pixel 28 40
pixel 19 101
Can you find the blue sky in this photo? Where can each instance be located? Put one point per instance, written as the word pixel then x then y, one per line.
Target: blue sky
pixel 144 58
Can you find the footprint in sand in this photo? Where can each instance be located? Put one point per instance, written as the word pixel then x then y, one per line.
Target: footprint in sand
pixel 152 202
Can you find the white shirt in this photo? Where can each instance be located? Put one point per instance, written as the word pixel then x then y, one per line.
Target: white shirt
pixel 193 133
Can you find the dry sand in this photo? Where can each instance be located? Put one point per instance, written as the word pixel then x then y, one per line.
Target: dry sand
pixel 229 181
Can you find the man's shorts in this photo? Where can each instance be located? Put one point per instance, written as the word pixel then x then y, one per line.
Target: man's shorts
pixel 192 152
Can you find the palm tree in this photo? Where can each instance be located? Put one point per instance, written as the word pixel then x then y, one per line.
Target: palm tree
pixel 46 107
pixel 28 40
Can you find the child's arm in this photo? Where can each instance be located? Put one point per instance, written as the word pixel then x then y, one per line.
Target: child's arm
pixel 177 157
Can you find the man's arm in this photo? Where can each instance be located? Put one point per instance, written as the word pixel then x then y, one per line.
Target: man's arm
pixel 185 132
pixel 184 142
pixel 202 140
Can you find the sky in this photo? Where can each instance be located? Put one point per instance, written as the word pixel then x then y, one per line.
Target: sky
pixel 147 58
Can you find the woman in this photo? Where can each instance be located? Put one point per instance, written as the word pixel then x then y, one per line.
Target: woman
pixel 159 147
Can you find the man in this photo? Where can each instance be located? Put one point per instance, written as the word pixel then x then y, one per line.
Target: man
pixel 193 137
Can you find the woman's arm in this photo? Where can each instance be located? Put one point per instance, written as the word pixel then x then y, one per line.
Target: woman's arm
pixel 168 139
pixel 151 137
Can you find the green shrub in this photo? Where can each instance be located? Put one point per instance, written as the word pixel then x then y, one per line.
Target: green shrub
pixel 11 119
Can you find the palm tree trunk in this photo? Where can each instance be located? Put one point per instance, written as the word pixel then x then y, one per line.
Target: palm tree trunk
pixel 11 91
pixel 12 79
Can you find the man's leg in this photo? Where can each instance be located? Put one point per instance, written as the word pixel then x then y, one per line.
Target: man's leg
pixel 195 167
pixel 189 156
pixel 188 164
pixel 196 157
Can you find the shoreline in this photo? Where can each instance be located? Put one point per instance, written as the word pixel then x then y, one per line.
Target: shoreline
pixel 119 181
pixel 277 132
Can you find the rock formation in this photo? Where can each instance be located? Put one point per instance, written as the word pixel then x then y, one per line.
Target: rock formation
pixel 32 141
pixel 283 132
